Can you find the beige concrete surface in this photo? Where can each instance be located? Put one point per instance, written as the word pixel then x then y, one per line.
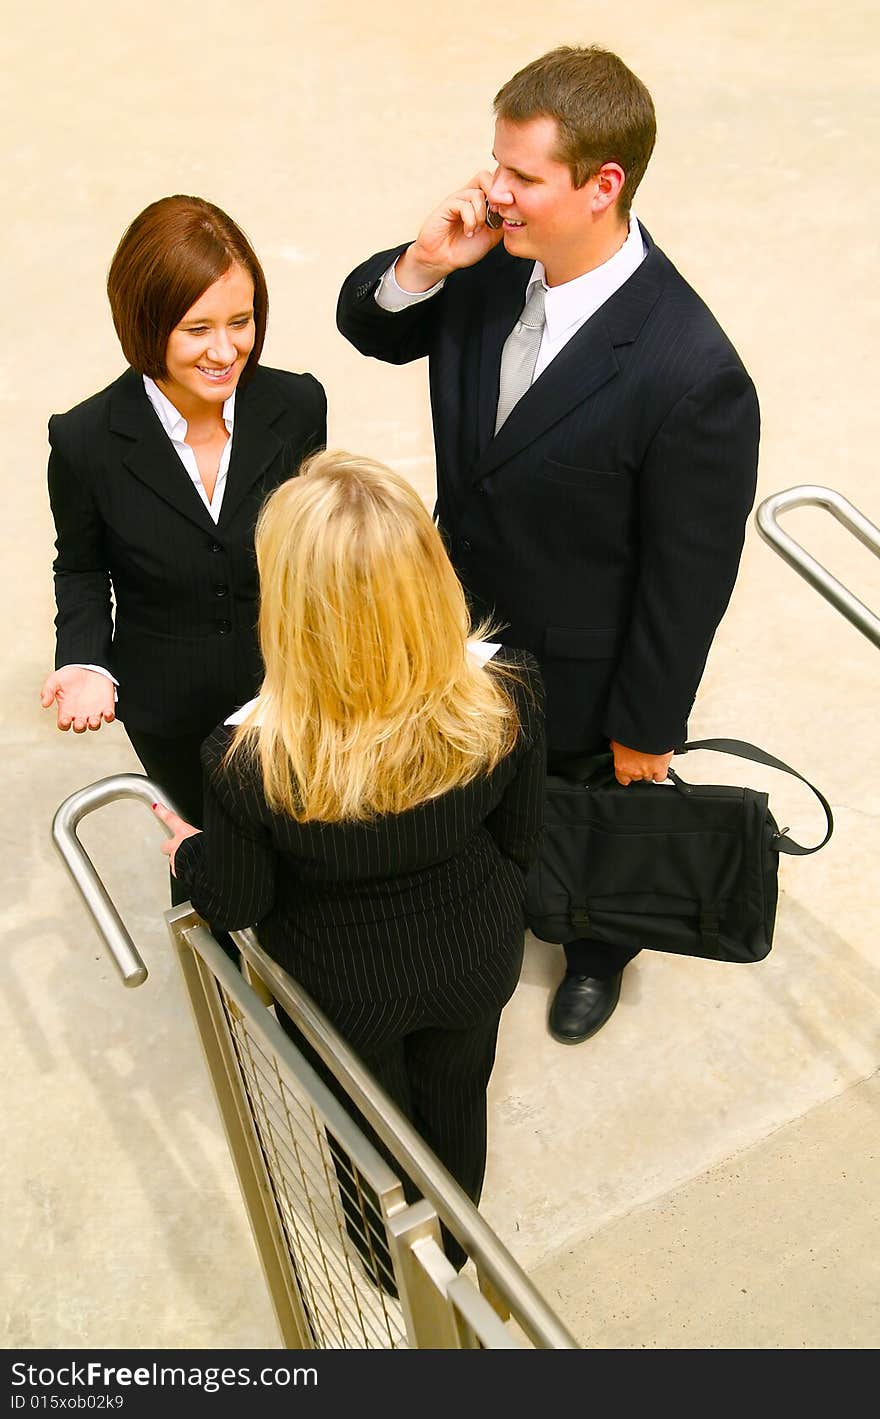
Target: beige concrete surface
pixel 778 1226
pixel 666 1181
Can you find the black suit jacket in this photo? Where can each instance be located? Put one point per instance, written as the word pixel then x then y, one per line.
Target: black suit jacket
pixel 603 526
pixel 130 524
pixel 391 908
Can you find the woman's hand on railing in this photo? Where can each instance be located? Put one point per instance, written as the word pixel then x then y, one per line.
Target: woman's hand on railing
pixel 178 828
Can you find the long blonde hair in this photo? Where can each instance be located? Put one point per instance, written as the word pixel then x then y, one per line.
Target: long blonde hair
pixel 370 702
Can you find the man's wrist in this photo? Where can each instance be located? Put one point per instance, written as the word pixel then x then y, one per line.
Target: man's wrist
pixel 416 276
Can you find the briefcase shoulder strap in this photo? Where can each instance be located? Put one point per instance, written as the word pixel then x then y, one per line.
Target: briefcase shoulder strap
pixel 741 750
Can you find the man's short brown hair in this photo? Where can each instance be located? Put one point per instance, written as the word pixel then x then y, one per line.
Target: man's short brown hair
pixel 171 253
pixel 603 112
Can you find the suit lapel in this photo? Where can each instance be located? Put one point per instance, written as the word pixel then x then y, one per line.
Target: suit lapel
pixel 148 453
pixel 255 443
pixel 582 366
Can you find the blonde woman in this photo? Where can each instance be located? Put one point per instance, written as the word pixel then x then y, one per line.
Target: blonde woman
pixel 375 809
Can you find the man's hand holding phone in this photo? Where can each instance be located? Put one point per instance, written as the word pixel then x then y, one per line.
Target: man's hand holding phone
pixel 456 234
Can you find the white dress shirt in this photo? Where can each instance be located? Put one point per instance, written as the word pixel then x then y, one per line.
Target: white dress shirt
pixel 566 308
pixel 175 426
pixel 569 306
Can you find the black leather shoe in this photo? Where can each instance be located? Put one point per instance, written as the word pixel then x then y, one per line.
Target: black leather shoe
pixel 581 1006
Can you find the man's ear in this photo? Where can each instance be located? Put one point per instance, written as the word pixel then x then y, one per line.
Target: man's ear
pixel 607 186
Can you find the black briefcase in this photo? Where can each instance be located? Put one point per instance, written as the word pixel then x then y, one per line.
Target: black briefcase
pixel 686 868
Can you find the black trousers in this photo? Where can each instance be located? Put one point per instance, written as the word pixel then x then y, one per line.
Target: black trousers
pixel 583 956
pixel 175 766
pixel 433 1055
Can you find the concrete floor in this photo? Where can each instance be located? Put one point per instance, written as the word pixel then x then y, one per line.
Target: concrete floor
pixel 702 1174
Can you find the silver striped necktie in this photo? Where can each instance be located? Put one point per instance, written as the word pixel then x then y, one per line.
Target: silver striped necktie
pixel 520 353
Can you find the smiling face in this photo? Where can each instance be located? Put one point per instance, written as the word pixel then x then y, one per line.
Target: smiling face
pixel 546 218
pixel 208 349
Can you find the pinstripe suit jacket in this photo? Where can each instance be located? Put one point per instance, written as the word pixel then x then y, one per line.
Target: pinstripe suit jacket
pixel 390 908
pixel 130 524
pixel 604 524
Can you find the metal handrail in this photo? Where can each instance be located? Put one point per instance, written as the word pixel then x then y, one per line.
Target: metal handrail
pixel 109 924
pixel 491 1257
pixel 453 1205
pixel 812 495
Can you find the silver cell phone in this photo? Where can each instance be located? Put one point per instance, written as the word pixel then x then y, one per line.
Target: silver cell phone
pixel 493 219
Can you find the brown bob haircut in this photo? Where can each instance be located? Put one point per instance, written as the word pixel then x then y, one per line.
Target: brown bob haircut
pixel 603 112
pixel 172 252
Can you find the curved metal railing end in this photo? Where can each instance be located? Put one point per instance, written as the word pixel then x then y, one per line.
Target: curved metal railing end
pixel 107 921
pixel 839 596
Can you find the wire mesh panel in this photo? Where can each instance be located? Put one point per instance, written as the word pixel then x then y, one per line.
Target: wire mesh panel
pixel 350 1263
pixel 329 1212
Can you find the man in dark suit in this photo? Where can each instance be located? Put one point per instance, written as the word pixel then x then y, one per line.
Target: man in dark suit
pixel 596 433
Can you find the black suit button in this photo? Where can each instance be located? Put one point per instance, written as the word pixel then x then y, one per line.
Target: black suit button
pixel 215 547
pixel 223 628
pixel 221 590
pixel 465 546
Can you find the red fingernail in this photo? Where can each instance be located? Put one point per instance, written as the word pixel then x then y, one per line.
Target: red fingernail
pixel 155 805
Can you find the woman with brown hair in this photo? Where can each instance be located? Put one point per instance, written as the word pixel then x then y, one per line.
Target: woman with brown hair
pixel 374 811
pixel 155 484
